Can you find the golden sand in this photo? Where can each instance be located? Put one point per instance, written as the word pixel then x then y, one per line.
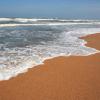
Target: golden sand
pixel 62 78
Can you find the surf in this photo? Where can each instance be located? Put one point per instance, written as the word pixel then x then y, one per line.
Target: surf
pixel 26 43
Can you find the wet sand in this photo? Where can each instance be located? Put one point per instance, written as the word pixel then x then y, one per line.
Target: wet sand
pixel 62 78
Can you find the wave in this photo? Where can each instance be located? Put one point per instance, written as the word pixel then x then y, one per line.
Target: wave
pixel 19 21
pixel 13 22
pixel 12 25
pixel 49 23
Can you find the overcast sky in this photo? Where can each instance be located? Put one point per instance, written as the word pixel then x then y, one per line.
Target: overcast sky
pixel 73 9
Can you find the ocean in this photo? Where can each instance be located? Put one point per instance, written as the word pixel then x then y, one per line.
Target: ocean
pixel 26 43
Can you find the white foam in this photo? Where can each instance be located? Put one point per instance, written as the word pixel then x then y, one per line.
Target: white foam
pixel 7 74
pixel 11 25
pixel 5 19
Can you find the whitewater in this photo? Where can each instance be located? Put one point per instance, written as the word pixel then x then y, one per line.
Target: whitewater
pixel 28 42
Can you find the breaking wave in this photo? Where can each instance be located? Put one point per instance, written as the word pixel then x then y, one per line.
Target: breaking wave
pixel 5 22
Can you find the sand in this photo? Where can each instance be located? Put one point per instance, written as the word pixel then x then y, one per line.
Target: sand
pixel 62 78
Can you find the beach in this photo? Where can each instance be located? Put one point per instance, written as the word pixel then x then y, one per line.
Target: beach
pixel 61 78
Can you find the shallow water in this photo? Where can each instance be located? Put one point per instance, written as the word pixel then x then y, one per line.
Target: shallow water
pixel 25 43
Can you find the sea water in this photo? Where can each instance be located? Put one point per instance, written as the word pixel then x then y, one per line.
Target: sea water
pixel 25 43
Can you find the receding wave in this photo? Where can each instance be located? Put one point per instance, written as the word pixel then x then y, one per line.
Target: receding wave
pixel 34 40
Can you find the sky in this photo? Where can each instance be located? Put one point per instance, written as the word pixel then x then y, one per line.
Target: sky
pixel 70 9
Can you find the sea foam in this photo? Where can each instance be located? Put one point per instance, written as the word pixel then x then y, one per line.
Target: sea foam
pixel 29 44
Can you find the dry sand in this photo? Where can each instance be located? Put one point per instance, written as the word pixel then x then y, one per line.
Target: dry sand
pixel 62 78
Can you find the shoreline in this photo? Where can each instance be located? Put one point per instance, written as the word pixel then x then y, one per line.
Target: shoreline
pixel 86 38
pixel 92 43
pixel 59 78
